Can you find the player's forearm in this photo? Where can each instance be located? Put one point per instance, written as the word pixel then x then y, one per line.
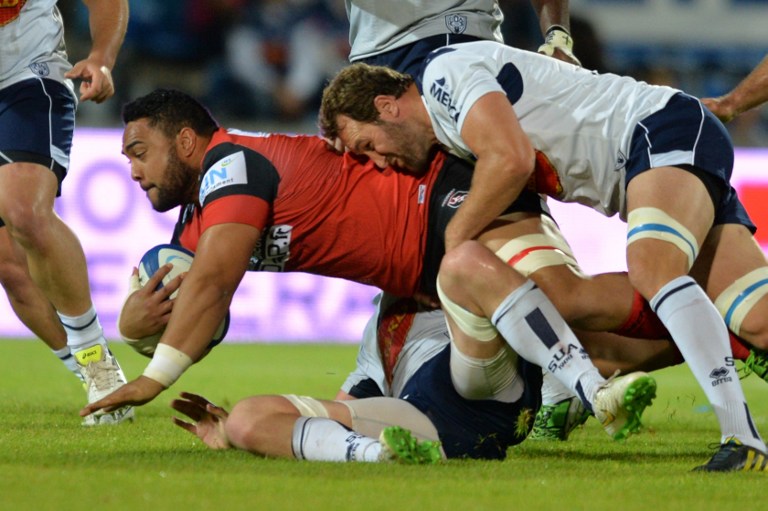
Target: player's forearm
pixel 491 193
pixel 751 92
pixel 108 21
pixel 552 12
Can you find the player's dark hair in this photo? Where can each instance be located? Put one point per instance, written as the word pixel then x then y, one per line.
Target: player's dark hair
pixel 171 110
pixel 352 91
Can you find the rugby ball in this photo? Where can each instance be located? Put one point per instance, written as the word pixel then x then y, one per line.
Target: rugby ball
pixel 150 262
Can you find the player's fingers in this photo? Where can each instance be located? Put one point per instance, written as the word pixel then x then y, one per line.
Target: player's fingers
pixel 156 279
pixel 217 411
pixel 185 425
pixel 192 410
pixel 133 283
pixel 174 284
pixel 200 400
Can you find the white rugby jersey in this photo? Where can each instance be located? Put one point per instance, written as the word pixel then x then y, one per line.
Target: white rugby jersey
pixel 377 26
pixel 426 337
pixel 32 42
pixel 582 121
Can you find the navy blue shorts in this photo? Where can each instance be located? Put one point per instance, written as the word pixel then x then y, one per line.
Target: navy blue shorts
pixel 409 58
pixel 37 120
pixel 482 429
pixel 686 134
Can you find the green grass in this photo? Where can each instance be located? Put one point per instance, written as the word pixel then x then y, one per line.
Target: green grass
pixel 49 462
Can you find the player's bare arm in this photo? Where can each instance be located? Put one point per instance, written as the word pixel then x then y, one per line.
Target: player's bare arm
pixel 505 161
pixel 749 93
pixel 204 298
pixel 108 21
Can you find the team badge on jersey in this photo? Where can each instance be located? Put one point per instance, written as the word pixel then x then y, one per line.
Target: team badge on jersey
pixel 455 198
pixel 9 10
pixel 456 23
pixel 228 171
pixel 40 69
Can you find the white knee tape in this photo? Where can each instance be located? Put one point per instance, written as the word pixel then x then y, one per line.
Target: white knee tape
pixel 307 406
pixel 532 252
pixel 474 326
pixel 655 223
pixel 735 302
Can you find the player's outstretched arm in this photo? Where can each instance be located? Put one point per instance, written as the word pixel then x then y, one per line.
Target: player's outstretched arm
pixel 749 93
pixel 108 21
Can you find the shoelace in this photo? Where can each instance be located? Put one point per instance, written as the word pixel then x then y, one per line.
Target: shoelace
pixel 723 451
pixel 101 374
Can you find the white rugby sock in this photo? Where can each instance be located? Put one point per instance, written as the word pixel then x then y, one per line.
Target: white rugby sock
pixel 66 357
pixel 701 336
pixel 552 391
pixel 320 439
pixel 84 330
pixel 494 378
pixel 535 330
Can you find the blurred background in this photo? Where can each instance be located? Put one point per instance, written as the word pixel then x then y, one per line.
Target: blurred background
pixel 261 64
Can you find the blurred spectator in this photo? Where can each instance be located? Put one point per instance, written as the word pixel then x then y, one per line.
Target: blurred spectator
pixel 170 43
pixel 278 57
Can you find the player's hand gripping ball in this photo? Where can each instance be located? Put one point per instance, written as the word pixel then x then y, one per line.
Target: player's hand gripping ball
pixel 151 261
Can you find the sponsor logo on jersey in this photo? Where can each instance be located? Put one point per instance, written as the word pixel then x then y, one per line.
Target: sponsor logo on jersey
pixel 455 198
pixel 442 95
pixel 422 194
pixel 273 249
pixel 40 69
pixel 456 23
pixel 228 171
pixel 9 10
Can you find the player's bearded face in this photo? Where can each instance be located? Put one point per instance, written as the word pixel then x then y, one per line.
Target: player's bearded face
pixel 410 146
pixel 178 186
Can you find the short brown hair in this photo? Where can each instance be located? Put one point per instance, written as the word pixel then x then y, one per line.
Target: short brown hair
pixel 352 91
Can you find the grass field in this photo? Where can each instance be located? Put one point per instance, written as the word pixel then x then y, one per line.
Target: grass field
pixel 49 462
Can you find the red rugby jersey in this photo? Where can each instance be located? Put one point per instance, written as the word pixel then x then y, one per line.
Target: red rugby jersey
pixel 319 212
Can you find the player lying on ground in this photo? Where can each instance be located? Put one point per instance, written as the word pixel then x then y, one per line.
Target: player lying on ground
pixel 230 186
pixel 403 378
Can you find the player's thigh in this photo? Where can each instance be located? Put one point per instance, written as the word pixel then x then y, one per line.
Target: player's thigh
pixel 36 129
pixel 370 416
pixel 670 213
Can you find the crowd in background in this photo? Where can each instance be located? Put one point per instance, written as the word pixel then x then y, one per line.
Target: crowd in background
pixel 262 64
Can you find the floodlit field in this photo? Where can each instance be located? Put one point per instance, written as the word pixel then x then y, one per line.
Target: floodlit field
pixel 49 462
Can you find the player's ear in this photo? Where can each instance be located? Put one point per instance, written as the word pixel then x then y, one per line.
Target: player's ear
pixel 386 106
pixel 186 140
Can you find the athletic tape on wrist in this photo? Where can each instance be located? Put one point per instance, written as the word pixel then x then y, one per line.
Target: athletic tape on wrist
pixel 558 38
pixel 167 365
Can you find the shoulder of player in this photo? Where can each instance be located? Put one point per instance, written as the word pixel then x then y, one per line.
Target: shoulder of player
pixel 227 153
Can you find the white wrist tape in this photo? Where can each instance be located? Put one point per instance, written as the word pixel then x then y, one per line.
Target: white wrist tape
pixel 558 38
pixel 167 365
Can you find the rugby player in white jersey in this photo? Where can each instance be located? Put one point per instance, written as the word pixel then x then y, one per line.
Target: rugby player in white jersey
pixel 42 265
pixel 653 154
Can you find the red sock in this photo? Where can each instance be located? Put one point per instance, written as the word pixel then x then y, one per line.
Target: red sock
pixel 642 322
pixel 738 346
